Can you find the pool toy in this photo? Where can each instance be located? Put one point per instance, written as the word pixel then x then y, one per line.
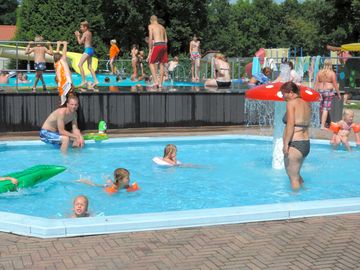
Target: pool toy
pixel 101 135
pixel 356 128
pixel 161 162
pixel 111 189
pixel 334 127
pixel 9 51
pixel 30 177
pixel 272 91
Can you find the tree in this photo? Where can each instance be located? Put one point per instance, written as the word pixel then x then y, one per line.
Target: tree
pixel 58 20
pixel 8 12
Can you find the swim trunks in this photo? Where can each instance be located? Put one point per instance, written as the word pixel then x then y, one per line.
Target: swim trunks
pixel 89 51
pixel 41 66
pixel 195 55
pixel 223 84
pixel 327 96
pixel 159 53
pixel 302 146
pixel 50 137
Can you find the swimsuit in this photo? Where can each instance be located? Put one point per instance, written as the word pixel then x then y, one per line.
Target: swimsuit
pixel 261 78
pixel 223 84
pixel 304 145
pixel 41 66
pixel 50 137
pixel 159 53
pixel 89 51
pixel 195 55
pixel 327 96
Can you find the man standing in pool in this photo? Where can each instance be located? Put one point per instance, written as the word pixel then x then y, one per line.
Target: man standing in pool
pixel 157 49
pixel 86 39
pixel 53 130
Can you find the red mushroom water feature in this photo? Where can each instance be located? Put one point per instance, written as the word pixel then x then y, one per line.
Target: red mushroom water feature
pixel 272 92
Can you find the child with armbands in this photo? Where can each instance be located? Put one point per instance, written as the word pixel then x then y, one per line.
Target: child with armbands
pixel 342 130
pixel 121 181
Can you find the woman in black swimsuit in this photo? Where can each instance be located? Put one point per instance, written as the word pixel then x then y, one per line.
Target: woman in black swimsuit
pixel 296 133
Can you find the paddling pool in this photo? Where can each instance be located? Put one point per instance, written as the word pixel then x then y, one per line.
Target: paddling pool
pixel 227 173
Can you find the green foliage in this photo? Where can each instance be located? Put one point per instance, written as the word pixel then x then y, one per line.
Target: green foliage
pixel 8 12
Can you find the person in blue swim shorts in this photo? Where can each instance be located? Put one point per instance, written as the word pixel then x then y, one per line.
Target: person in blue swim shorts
pixel 53 130
pixel 86 39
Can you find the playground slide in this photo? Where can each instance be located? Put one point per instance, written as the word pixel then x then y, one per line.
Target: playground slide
pixel 73 59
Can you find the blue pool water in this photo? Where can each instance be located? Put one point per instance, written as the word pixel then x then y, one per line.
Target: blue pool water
pixel 232 171
pixel 49 79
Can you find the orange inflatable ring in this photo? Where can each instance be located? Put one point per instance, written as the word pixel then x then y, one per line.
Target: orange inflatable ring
pixel 356 128
pixel 334 127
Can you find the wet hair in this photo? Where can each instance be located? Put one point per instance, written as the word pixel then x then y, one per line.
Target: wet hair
pixel 107 79
pixel 120 174
pixel 169 149
pixel 85 24
pixel 289 87
pixel 57 57
pixel 291 65
pixel 85 198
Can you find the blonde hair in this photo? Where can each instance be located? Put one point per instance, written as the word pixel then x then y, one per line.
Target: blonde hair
pixel 38 38
pixel 169 149
pixel 85 23
pixel 120 174
pixel 153 18
pixel 327 65
pixel 85 199
pixel 347 112
pixel 113 41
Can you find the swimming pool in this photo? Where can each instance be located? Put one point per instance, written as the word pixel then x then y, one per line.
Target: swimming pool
pixel 233 174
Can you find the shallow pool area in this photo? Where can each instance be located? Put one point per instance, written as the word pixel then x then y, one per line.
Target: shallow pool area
pixel 231 181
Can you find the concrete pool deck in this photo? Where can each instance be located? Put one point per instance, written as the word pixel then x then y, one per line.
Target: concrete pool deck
pixel 307 243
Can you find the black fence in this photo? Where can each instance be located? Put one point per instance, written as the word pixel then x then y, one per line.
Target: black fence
pixel 28 111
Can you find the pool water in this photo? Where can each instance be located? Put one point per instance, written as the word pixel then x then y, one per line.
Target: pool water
pixel 230 171
pixel 49 79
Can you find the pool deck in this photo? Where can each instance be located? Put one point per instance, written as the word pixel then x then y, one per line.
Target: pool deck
pixel 328 242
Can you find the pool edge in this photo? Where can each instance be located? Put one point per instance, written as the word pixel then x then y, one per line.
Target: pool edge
pixel 53 228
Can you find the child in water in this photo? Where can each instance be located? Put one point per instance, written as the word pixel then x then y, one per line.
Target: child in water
pixel 345 125
pixel 121 181
pixel 170 154
pixel 80 207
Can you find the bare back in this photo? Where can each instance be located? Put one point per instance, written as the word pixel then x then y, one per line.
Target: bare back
pixel 87 38
pixel 326 80
pixel 302 112
pixel 222 70
pixel 194 46
pixel 51 123
pixel 157 33
pixel 39 53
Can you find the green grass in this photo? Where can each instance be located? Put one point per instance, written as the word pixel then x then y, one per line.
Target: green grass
pixel 353 106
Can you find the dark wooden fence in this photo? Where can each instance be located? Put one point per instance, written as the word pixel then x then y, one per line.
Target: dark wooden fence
pixel 27 111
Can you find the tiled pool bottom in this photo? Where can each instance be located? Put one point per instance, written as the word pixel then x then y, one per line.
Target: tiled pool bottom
pixel 50 228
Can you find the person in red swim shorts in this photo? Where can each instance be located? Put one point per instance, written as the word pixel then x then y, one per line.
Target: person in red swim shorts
pixel 157 50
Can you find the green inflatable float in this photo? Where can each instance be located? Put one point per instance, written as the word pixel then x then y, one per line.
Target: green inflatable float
pixel 30 177
pixel 100 136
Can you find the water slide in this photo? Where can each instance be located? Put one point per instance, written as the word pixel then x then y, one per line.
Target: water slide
pixel 73 59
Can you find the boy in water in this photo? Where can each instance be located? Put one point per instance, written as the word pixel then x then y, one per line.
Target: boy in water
pixel 86 39
pixel 80 207
pixel 39 59
pixel 63 74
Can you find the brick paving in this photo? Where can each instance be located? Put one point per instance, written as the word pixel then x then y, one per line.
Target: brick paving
pixel 331 242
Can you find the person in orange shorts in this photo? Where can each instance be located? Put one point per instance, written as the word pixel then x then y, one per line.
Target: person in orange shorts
pixel 113 53
pixel 63 74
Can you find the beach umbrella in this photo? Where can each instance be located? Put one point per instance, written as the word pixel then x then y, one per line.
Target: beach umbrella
pixel 272 91
pixel 352 47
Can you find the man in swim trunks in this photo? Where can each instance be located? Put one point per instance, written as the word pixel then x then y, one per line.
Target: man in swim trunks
pixel 63 74
pixel 157 49
pixel 86 39
pixel 39 59
pixel 53 130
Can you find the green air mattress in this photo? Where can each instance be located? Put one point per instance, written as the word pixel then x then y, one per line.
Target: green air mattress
pixel 30 177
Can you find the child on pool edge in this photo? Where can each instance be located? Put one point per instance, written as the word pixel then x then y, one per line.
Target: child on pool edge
pixel 121 181
pixel 344 127
pixel 80 207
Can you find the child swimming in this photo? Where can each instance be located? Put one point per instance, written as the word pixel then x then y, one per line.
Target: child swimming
pixel 80 207
pixel 345 125
pixel 169 157
pixel 121 181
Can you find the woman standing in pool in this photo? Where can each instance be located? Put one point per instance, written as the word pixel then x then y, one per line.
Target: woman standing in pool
pixel 296 133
